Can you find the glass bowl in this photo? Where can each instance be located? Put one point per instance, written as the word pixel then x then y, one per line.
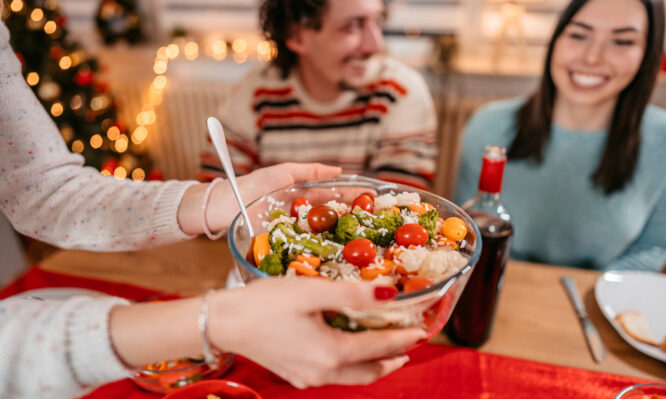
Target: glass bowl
pixel 215 388
pixel 429 308
pixel 164 377
pixel 643 391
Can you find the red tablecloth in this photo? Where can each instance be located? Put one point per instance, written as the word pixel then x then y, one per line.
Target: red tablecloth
pixel 434 371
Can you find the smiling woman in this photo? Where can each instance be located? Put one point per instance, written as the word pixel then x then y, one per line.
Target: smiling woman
pixel 585 173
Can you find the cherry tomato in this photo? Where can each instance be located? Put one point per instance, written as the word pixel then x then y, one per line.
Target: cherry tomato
pixel 360 252
pixel 322 218
pixel 300 201
pixel 454 228
pixel 365 202
pixel 411 234
pixel 416 284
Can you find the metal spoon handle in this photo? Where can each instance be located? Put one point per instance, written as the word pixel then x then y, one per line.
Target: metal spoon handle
pixel 216 133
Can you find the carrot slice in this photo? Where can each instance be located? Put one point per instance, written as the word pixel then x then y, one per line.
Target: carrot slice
pixel 313 261
pixel 261 248
pixel 383 269
pixel 303 269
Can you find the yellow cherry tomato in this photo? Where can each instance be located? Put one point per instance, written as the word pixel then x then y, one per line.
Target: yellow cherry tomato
pixel 454 228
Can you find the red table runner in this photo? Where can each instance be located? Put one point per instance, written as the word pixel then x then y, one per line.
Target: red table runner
pixel 434 371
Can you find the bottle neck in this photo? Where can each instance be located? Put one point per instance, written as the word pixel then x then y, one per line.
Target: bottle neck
pixel 488 197
pixel 492 174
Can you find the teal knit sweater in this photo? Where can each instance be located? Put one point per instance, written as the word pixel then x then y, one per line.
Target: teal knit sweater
pixel 560 217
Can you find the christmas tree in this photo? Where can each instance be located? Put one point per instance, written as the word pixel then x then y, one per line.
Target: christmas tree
pixel 65 81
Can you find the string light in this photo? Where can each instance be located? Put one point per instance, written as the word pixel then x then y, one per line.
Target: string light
pixel 160 82
pixel 37 14
pixel 99 103
pixel 96 141
pixel 76 102
pixel 120 173
pixel 77 146
pixel 239 45
pixel 57 109
pixel 32 78
pixel 240 57
pixel 139 135
pixel 16 5
pixel 122 144
pixel 105 172
pixel 113 133
pixel 65 63
pixel 160 67
pixel 219 50
pixel 138 174
pixel 172 51
pixel 50 27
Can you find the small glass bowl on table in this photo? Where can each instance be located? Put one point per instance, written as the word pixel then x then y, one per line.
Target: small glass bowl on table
pixel 643 391
pixel 167 376
pixel 429 308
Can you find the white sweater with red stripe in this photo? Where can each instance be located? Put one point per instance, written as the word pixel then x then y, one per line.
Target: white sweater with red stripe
pixel 385 130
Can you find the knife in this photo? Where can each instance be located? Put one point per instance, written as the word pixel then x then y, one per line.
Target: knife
pixel 592 337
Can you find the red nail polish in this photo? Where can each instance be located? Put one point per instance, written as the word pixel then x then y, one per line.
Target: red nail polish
pixel 421 341
pixel 385 293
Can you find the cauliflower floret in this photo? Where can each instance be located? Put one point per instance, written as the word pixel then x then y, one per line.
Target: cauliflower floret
pixel 441 264
pixel 386 201
pixel 412 258
pixel 385 280
pixel 406 199
pixel 339 207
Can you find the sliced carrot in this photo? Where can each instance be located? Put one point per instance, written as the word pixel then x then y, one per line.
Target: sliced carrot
pixel 402 271
pixel 421 208
pixel 313 261
pixel 303 269
pixel 261 248
pixel 383 269
pixel 395 210
pixel 249 256
pixel 393 252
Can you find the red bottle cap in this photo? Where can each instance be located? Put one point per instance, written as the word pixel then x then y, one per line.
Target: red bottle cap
pixel 492 170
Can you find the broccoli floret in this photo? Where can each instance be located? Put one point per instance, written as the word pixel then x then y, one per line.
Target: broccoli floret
pixel 429 221
pixel 345 230
pixel 366 218
pixel 284 233
pixel 272 264
pixel 279 212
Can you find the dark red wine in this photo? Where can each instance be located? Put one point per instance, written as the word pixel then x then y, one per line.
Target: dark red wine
pixel 472 319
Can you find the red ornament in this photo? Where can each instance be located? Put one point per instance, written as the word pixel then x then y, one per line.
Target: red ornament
pixel 56 52
pixel 61 21
pixel 110 165
pixel 83 78
pixel 20 58
pixel 121 126
pixel 155 175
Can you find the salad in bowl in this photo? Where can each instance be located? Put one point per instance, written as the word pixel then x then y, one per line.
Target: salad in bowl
pixel 361 229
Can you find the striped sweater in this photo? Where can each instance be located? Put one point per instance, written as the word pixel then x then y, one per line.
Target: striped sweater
pixel 385 130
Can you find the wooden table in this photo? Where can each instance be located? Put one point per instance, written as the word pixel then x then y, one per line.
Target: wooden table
pixel 534 320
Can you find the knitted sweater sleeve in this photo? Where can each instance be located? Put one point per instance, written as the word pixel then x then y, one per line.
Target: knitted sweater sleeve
pixel 47 194
pixel 56 349
pixel 648 252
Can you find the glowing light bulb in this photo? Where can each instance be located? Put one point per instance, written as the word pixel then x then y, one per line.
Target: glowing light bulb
pixel 77 146
pixel 37 14
pixel 160 82
pixel 105 172
pixel 172 51
pixel 50 27
pixel 113 133
pixel 139 135
pixel 138 174
pixel 120 173
pixel 160 67
pixel 32 78
pixel 16 5
pixel 121 144
pixel 96 141
pixel 65 63
pixel 57 109
pixel 191 51
pixel 239 45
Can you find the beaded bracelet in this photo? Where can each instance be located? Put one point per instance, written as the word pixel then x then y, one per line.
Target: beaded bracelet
pixel 204 207
pixel 208 349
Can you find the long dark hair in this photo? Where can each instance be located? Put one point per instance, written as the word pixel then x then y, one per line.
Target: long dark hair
pixel 278 17
pixel 620 156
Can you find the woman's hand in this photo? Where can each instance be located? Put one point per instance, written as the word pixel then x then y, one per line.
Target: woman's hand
pixel 222 207
pixel 278 323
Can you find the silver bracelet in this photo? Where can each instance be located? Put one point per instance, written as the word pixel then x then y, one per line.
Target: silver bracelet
pixel 204 208
pixel 208 350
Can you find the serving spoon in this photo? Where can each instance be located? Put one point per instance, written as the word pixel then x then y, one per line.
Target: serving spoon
pixel 216 133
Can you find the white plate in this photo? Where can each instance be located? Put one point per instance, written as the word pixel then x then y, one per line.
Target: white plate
pixel 644 292
pixel 58 293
